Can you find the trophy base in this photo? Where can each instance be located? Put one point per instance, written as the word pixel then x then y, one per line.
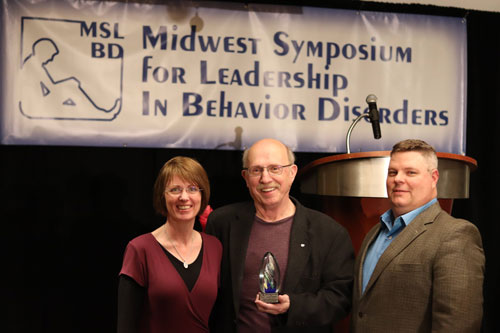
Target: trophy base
pixel 268 297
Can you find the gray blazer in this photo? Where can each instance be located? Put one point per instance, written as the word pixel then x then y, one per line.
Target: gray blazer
pixel 318 277
pixel 430 278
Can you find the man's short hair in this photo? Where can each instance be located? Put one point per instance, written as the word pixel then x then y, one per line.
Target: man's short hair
pixel 419 146
pixel 291 156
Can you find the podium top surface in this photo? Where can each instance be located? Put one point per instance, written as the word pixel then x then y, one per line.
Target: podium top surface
pixel 472 163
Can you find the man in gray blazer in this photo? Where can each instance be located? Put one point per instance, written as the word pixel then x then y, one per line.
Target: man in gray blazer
pixel 314 253
pixel 419 269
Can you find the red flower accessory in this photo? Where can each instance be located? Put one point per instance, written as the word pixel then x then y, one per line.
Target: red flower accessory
pixel 204 216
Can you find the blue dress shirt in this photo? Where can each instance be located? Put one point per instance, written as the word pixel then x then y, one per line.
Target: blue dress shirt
pixel 389 229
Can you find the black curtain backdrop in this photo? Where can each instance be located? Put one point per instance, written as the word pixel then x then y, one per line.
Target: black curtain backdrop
pixel 68 212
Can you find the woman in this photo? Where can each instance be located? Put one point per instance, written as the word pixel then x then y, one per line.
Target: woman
pixel 169 278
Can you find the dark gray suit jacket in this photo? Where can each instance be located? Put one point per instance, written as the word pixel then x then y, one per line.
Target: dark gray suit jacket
pixel 318 277
pixel 430 278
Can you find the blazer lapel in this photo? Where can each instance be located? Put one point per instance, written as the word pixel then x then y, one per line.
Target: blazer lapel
pixel 299 249
pixel 239 235
pixel 409 233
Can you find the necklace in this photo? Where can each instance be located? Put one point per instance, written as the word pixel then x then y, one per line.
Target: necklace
pixel 172 243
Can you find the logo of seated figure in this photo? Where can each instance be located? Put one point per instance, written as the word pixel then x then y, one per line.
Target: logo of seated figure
pixel 62 77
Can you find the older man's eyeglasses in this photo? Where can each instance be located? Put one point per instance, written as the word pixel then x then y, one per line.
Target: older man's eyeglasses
pixel 274 169
pixel 177 190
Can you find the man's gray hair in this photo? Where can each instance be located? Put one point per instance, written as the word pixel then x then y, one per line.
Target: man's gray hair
pixel 291 156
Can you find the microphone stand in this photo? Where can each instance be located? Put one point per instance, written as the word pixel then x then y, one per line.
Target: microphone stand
pixel 354 123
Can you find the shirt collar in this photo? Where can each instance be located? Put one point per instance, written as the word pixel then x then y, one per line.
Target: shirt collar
pixel 387 219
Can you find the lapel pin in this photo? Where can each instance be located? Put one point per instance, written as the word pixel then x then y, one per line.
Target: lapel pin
pixel 302 245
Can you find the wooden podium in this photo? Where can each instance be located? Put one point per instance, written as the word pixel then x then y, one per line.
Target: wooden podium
pixel 352 186
pixel 352 189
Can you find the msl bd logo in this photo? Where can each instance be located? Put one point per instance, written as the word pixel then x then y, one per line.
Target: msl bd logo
pixel 70 70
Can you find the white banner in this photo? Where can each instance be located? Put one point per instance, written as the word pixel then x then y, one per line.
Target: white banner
pixel 223 75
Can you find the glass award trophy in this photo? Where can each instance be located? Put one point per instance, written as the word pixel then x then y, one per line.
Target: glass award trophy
pixel 269 279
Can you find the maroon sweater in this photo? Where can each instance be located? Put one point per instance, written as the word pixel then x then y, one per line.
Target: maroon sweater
pixel 169 306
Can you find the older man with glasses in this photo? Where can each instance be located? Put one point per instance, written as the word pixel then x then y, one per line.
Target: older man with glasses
pixel 314 253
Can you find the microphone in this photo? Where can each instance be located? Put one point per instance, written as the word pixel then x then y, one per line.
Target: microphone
pixel 374 115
